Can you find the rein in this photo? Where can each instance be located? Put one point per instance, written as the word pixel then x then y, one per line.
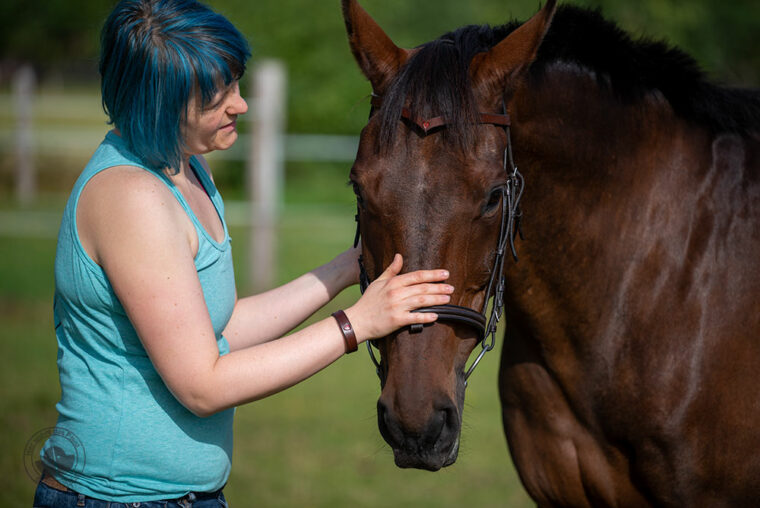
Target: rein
pixel 511 192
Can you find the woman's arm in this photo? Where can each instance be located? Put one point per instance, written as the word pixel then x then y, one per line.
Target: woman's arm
pixel 258 371
pixel 134 228
pixel 270 315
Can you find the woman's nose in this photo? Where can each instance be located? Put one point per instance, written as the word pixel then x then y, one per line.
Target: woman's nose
pixel 238 105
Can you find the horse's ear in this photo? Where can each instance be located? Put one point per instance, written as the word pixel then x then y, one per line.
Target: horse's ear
pixel 378 57
pixel 491 72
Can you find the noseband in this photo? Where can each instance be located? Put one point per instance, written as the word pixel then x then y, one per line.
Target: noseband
pixel 511 192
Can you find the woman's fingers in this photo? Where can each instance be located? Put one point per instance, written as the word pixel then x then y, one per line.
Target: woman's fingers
pixel 421 277
pixel 408 279
pixel 389 302
pixel 422 318
pixel 393 269
pixel 420 301
pixel 424 289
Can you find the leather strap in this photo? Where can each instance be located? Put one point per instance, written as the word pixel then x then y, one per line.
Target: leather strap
pixel 53 483
pixel 428 124
pixel 187 500
pixel 454 313
pixel 348 331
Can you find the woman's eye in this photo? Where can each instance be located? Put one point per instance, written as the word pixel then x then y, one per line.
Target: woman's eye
pixel 215 103
pixel 219 97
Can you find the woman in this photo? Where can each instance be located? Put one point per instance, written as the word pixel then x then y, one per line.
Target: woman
pixel 155 349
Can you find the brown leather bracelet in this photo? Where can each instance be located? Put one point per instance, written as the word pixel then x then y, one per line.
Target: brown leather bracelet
pixel 348 332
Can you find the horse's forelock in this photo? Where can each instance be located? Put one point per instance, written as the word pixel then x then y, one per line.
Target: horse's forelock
pixel 435 81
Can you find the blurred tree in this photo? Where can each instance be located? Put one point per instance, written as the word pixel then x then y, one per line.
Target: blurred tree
pixel 325 87
pixel 50 32
pixel 722 36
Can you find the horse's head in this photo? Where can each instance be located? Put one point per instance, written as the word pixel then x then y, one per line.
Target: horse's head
pixel 431 182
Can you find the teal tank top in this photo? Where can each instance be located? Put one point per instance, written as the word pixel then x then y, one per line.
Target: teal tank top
pixel 121 435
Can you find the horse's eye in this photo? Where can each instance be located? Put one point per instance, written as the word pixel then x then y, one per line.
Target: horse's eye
pixel 493 200
pixel 358 193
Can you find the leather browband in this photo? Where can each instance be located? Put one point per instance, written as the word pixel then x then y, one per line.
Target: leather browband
pixel 429 124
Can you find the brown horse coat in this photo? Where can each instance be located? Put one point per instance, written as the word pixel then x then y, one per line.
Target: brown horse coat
pixel 632 349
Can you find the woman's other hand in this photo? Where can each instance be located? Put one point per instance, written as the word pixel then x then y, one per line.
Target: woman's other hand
pixel 348 263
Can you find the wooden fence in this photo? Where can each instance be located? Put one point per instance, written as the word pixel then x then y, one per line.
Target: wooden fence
pixel 265 151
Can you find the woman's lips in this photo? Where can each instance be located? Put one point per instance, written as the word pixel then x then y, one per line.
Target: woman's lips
pixel 229 127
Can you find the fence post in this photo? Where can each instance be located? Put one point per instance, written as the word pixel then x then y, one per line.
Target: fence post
pixel 23 93
pixel 265 171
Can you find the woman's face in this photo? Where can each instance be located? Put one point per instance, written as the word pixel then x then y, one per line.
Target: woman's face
pixel 213 127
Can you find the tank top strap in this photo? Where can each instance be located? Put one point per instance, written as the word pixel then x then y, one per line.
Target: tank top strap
pixel 113 151
pixel 210 190
pixel 177 195
pixel 205 180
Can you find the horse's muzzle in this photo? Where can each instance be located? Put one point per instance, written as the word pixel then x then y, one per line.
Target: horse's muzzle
pixel 432 446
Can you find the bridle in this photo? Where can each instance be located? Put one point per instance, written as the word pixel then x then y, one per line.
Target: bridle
pixel 511 192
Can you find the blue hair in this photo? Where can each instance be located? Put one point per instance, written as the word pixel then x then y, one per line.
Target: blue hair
pixel 155 56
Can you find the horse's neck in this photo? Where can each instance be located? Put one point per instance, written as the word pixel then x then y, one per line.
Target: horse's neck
pixel 600 179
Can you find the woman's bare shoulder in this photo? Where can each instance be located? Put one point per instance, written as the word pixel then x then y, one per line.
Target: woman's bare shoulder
pixel 131 180
pixel 127 202
pixel 127 193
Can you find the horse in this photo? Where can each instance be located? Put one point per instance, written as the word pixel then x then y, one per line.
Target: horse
pixel 629 366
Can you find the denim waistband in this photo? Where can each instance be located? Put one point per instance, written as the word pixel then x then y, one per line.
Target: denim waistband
pixel 55 495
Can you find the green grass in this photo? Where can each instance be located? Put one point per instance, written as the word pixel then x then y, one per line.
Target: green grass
pixel 314 445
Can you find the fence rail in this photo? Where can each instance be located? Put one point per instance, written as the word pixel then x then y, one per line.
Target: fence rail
pixel 80 141
pixel 62 125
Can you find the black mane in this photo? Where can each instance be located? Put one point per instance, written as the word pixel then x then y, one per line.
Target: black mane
pixel 436 78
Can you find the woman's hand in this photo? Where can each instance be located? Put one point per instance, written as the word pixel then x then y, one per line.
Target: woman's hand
pixel 347 262
pixel 388 302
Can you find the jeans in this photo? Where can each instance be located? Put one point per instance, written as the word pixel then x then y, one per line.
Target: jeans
pixel 48 497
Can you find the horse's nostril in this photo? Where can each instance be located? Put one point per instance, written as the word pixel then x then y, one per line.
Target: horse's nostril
pixel 389 429
pixel 443 428
pixel 435 428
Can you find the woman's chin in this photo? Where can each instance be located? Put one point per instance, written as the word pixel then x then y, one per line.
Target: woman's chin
pixel 226 141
